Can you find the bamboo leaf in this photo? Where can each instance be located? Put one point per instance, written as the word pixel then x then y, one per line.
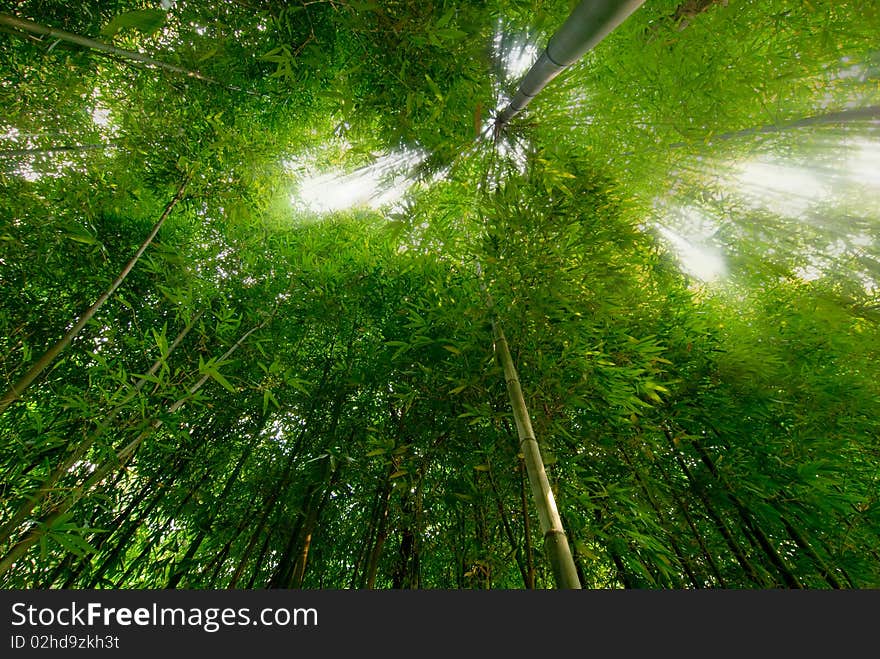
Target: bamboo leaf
pixel 215 375
pixel 147 21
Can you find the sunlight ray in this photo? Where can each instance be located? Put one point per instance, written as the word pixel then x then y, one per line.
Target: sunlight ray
pixel 783 189
pixel 697 254
pixel 379 184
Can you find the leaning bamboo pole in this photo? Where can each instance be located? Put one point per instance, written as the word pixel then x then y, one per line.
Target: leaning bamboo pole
pixel 555 541
pixel 18 388
pixel 23 24
pixel 556 546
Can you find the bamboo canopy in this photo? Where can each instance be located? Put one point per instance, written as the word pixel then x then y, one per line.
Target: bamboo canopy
pixel 338 339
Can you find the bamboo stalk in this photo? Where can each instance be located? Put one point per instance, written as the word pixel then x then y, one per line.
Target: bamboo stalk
pixel 80 451
pixel 870 113
pixel 788 577
pixel 555 540
pixel 358 578
pixel 93 44
pixel 12 153
pixel 18 388
pixel 749 569
pixel 117 462
pixel 804 545
pixel 661 518
pixel 260 562
pixel 285 567
pixel 517 550
pixel 219 560
pixel 381 532
pixel 713 565
pixel 311 525
pixel 126 532
pixel 281 490
pixel 527 528
pixel 181 567
pixel 589 23
pixel 158 534
pixel 278 492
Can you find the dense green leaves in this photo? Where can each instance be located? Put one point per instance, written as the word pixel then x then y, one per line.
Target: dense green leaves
pixel 277 396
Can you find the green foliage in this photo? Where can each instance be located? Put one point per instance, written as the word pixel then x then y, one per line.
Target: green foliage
pixel 282 383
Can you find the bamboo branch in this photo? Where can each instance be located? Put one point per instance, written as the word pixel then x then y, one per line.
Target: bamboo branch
pixel 74 148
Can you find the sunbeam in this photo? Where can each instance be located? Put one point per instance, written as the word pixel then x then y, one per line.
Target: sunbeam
pixel 783 189
pixel 698 256
pixel 379 184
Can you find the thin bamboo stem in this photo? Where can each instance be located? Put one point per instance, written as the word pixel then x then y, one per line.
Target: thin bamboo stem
pixel 93 44
pixel 18 388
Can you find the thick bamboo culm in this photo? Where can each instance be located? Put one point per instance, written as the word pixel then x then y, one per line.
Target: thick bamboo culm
pixel 589 23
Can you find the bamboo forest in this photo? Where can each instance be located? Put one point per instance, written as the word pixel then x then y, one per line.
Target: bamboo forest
pixel 441 294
